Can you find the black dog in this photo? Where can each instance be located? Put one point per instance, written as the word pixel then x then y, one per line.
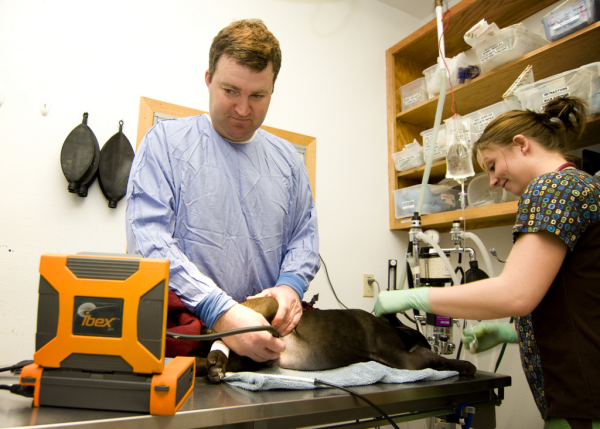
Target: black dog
pixel 327 339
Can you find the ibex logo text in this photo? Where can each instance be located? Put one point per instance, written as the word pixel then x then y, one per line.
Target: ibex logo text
pixel 99 322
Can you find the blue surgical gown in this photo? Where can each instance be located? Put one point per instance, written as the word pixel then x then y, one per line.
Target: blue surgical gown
pixel 232 218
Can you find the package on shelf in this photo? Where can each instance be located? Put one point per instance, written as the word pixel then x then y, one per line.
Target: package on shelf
pixel 438 199
pixel 480 193
pixel 409 157
pixel 570 17
pixel 439 151
pixel 594 102
pixel 582 82
pixel 496 48
pixel 413 93
pixel 455 64
pixel 478 30
pixel 482 117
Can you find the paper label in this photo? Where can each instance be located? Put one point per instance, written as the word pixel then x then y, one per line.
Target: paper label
pixel 436 153
pixel 413 99
pixel 492 49
pixel 448 199
pixel 484 120
pixel 556 93
pixel 492 52
pixel 408 204
pixel 569 17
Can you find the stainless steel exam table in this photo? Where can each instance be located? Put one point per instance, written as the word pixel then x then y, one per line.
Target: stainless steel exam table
pixel 224 406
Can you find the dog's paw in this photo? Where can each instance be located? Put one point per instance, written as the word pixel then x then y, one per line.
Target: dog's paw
pixel 216 365
pixel 462 366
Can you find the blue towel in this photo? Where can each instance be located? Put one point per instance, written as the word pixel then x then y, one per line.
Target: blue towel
pixel 358 374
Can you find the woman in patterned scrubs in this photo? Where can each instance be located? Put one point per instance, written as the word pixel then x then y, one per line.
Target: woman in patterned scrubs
pixel 551 280
pixel 558 339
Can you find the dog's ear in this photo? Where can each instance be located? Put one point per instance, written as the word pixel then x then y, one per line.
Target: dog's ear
pixel 410 336
pixel 393 320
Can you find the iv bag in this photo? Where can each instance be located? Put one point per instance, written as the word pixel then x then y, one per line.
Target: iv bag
pixel 459 162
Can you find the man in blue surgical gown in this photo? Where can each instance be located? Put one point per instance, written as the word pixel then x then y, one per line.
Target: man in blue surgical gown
pixel 229 204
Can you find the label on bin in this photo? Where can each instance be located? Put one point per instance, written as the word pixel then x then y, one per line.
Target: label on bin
pixel 489 53
pixel 408 204
pixel 555 93
pixel 413 99
pixel 482 121
pixel 436 153
pixel 571 16
pixel 448 199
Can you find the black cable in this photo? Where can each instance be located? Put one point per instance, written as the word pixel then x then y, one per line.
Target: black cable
pixel 502 350
pixel 461 343
pixel 411 285
pixel 358 395
pixel 375 281
pixel 19 365
pixel 218 335
pixel 409 318
pixel 19 389
pixel 331 285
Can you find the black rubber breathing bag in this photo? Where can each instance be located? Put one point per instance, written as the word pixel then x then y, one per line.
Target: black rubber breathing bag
pixel 116 158
pixel 79 158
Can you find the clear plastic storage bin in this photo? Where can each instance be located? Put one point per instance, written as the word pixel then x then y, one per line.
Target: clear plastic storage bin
pixel 480 193
pixel 439 152
pixel 413 93
pixel 432 74
pixel 482 117
pixel 505 45
pixel 582 82
pixel 570 18
pixel 438 199
pixel 410 157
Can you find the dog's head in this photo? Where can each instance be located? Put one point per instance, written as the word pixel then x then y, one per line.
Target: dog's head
pixel 411 337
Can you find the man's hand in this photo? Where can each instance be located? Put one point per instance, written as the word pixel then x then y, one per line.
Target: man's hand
pixel 290 307
pixel 259 346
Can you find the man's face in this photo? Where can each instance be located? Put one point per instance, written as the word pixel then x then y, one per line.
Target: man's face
pixel 239 98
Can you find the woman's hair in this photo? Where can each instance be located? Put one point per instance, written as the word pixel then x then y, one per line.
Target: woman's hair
pixel 560 125
pixel 250 43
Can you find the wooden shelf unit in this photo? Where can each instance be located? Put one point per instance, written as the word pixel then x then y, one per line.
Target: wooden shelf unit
pixel 406 61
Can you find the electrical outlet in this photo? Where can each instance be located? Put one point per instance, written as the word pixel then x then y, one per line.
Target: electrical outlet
pixel 368 289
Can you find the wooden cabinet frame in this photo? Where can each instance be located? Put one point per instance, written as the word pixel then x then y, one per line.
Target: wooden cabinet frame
pixel 407 59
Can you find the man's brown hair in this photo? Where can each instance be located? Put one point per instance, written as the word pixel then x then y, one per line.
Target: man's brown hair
pixel 250 43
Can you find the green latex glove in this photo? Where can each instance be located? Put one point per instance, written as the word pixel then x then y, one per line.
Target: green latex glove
pixel 488 335
pixel 396 301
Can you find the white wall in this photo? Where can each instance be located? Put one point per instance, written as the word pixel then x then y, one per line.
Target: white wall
pixel 100 57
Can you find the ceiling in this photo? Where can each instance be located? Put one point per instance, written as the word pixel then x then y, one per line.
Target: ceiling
pixel 420 9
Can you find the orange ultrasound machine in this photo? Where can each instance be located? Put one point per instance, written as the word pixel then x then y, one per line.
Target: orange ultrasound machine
pixel 100 340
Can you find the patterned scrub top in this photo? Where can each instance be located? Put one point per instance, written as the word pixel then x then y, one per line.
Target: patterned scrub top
pixel 564 203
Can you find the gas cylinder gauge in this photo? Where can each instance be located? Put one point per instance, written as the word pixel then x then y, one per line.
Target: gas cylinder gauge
pixel 433 234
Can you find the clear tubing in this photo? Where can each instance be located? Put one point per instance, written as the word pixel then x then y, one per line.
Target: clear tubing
pixel 402 274
pixel 483 251
pixel 428 240
pixel 436 128
pixel 440 30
